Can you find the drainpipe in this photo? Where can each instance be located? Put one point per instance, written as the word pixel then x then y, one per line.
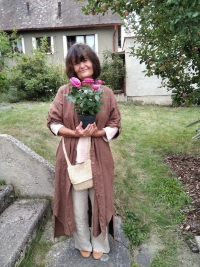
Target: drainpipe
pixel 114 38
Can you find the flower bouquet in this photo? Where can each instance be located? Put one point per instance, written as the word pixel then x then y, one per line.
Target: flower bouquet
pixel 86 97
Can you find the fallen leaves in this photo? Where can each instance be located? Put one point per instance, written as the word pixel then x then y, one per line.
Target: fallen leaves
pixel 187 169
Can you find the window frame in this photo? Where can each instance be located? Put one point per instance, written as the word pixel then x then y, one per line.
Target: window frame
pixel 65 42
pixel 34 44
pixel 14 44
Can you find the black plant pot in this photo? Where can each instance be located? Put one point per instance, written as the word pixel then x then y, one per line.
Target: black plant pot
pixel 86 119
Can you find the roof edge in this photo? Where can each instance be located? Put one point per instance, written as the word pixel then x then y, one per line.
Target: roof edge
pixel 65 27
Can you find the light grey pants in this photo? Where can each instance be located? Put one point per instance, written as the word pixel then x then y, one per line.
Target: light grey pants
pixel 84 240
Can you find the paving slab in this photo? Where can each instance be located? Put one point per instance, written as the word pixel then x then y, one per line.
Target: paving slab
pixel 143 257
pixel 2 107
pixel 64 254
pixel 18 225
pixel 197 239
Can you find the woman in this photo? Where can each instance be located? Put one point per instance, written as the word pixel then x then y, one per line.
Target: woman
pixel 71 206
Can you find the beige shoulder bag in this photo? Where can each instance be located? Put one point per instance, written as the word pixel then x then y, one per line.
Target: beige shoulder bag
pixel 80 175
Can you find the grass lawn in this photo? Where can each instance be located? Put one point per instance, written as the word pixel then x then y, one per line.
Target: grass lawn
pixel 148 196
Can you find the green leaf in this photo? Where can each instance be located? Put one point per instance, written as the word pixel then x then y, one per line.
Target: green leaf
pixel 97 97
pixel 195 14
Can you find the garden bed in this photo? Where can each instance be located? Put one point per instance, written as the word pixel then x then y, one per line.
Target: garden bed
pixel 187 168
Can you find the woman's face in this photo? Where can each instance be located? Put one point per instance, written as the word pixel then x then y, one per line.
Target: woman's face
pixel 84 69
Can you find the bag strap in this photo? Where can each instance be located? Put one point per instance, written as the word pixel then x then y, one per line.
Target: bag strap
pixel 65 152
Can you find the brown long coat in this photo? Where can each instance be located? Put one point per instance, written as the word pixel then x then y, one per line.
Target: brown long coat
pixel 62 112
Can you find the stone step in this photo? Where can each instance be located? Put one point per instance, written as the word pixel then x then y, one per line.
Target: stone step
pixel 6 196
pixel 18 227
pixel 64 253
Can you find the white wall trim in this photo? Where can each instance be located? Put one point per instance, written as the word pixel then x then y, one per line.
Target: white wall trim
pixel 34 43
pixel 23 45
pixel 52 45
pixel 96 43
pixel 64 45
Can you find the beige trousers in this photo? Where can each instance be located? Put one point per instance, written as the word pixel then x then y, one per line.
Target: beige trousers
pixel 83 238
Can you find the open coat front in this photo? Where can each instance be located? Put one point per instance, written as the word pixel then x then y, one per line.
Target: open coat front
pixel 62 112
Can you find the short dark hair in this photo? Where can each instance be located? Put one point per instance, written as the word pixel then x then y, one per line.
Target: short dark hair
pixel 77 54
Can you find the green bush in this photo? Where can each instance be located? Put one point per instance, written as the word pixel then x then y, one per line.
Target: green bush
pixel 14 96
pixel 34 78
pixel 113 70
pixel 37 80
pixel 4 85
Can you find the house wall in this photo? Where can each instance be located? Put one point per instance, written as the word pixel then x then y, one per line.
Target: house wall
pixel 139 87
pixel 104 37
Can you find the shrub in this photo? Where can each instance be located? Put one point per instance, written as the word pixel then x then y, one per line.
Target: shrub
pixel 4 85
pixel 14 96
pixel 113 70
pixel 34 78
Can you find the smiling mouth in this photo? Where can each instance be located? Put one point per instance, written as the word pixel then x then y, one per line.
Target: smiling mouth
pixel 84 70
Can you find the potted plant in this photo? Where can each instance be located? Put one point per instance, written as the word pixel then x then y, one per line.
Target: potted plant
pixel 86 96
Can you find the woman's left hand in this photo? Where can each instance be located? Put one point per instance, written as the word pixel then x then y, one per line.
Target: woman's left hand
pixel 96 132
pixel 87 132
pixel 90 130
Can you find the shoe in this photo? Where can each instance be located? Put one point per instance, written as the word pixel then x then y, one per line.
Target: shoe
pixel 85 254
pixel 97 255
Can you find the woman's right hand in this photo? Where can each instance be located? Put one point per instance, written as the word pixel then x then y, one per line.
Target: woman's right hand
pixel 87 132
pixel 90 130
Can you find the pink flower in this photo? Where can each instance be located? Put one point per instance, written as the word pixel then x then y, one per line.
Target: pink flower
pixel 75 82
pixel 95 87
pixel 99 82
pixel 88 80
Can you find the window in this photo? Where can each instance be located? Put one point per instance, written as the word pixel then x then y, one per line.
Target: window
pixel 86 39
pixel 91 40
pixel 17 46
pixel 37 43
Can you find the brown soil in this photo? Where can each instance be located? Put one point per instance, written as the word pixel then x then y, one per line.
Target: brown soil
pixel 187 168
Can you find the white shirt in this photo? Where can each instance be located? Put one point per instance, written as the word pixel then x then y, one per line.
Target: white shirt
pixel 83 141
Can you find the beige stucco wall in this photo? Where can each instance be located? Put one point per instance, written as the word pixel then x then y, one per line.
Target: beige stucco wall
pixel 105 40
pixel 139 87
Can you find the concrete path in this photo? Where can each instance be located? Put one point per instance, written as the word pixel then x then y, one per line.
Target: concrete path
pixel 64 254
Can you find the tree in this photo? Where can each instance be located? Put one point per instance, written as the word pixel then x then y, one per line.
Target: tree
pixel 6 46
pixel 168 35
pixel 5 51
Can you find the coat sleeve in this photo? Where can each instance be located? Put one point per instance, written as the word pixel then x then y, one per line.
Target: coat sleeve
pixel 55 113
pixel 114 119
